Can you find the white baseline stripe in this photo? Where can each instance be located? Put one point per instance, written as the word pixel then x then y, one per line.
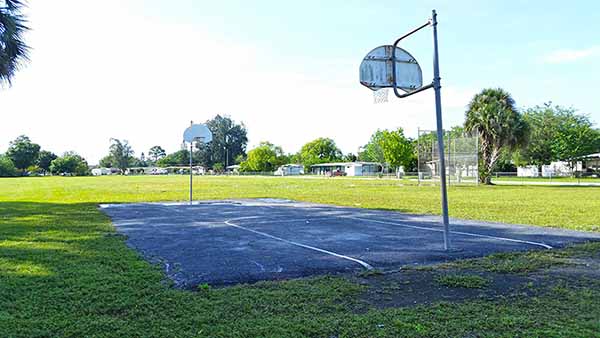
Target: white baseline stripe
pixel 452 232
pixel 290 220
pixel 364 264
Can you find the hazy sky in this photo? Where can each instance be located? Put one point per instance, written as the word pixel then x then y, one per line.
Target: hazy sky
pixel 141 70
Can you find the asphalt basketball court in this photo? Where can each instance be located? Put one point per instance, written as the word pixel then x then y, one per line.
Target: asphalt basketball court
pixel 244 241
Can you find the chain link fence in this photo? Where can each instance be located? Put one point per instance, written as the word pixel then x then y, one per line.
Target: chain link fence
pixel 461 155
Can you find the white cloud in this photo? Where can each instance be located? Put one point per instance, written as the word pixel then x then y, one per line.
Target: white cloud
pixel 101 71
pixel 570 55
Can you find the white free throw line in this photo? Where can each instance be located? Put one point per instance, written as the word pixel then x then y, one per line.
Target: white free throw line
pixel 452 232
pixel 230 223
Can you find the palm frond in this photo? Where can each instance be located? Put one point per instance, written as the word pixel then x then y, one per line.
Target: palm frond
pixel 14 52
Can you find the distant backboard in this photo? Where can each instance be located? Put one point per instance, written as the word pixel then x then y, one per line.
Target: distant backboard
pixel 197 132
pixel 376 70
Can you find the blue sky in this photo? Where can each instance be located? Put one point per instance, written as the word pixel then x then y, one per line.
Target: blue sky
pixel 482 43
pixel 288 70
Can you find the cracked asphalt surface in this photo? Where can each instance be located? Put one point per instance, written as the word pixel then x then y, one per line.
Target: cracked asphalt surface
pixel 244 241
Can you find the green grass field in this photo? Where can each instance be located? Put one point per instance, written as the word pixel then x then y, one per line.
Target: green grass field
pixel 65 273
pixel 566 207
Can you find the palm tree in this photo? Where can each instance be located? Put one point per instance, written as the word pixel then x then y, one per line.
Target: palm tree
pixel 13 50
pixel 492 114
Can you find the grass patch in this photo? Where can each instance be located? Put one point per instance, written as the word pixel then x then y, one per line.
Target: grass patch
pixel 463 281
pixel 524 262
pixel 511 262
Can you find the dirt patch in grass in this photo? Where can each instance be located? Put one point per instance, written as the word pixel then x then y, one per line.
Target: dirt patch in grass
pixel 417 287
pixel 477 279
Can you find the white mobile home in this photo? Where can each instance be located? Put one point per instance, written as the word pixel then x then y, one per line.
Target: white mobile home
pixel 290 169
pixel 347 169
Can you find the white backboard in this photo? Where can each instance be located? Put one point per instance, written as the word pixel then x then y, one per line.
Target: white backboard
pixel 197 132
pixel 376 70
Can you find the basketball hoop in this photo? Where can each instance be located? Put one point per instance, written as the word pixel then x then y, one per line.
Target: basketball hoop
pixel 377 72
pixel 380 95
pixel 195 133
pixel 390 66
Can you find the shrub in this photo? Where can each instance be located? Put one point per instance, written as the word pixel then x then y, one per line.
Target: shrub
pixel 7 167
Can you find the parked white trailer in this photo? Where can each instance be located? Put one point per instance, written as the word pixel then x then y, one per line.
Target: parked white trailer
pixel 290 169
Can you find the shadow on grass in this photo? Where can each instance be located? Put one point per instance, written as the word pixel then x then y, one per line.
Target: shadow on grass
pixel 63 273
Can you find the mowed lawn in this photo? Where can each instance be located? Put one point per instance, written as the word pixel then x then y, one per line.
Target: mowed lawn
pixel 64 272
pixel 558 206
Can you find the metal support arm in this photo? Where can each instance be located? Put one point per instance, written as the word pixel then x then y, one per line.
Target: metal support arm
pixel 394 63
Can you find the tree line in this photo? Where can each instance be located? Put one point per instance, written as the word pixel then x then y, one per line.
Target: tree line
pixel 227 147
pixel 25 157
pixel 508 138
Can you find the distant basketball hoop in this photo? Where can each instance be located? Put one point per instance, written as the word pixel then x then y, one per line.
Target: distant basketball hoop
pixel 198 133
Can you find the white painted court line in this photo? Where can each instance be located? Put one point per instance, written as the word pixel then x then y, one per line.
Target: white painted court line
pixel 230 223
pixel 546 246
pixel 288 220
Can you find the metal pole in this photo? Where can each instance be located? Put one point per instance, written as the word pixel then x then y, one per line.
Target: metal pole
pixel 440 135
pixel 191 149
pixel 226 152
pixel 477 157
pixel 449 160
pixel 418 156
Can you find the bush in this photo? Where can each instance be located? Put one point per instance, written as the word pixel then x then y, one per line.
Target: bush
pixel 7 167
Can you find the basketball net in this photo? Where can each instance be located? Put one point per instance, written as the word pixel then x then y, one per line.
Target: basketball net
pixel 380 95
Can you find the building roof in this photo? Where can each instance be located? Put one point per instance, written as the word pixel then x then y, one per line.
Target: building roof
pixel 596 155
pixel 343 164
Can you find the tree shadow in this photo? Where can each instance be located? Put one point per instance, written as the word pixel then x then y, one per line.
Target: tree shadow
pixel 57 259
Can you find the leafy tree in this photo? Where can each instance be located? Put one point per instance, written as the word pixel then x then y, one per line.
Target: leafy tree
pixel 70 163
pixel 138 162
pixel 507 162
pixel 156 153
pixel 13 50
pixel 121 153
pixel 229 141
pixel 23 152
pixel 203 155
pixel 143 161
pixel 544 122
pixel 557 133
pixel 7 167
pixel 321 150
pixel 218 167
pixel 44 160
pixel 390 147
pixel 265 157
pixel 575 138
pixel 350 157
pixel 493 115
pixel 397 149
pixel 372 151
pixel 106 162
pixel 294 158
pixel 178 158
pixel 240 158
